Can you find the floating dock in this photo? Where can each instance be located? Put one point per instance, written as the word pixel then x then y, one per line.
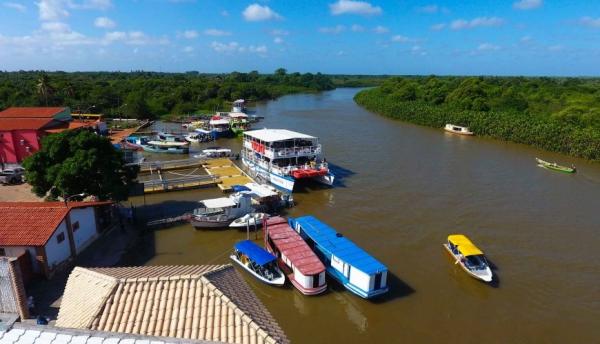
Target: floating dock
pixel 228 173
pixel 154 166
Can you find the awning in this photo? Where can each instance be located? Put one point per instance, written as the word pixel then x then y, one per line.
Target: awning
pixel 254 252
pixel 465 246
pixel 222 202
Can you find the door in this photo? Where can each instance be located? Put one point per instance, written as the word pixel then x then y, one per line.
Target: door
pixel 378 280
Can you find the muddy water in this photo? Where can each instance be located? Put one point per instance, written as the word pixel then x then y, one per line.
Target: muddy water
pixel 402 189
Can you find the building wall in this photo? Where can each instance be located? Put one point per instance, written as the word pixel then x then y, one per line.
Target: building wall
pixel 87 231
pixel 56 252
pixel 16 145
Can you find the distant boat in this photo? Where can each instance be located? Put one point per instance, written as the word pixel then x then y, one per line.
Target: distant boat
pixel 239 106
pixel 555 167
pixel 258 262
pixel 470 258
pixel 345 262
pixel 457 129
pixel 167 143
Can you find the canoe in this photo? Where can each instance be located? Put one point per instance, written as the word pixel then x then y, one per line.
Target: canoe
pixel 555 167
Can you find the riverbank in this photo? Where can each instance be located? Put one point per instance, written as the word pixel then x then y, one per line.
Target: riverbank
pixel 540 132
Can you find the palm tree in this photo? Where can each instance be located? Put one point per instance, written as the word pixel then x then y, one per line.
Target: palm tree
pixel 44 89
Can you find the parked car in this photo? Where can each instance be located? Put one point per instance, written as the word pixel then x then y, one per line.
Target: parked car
pixel 12 176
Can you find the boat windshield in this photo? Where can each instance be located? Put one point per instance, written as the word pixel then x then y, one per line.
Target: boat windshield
pixel 477 262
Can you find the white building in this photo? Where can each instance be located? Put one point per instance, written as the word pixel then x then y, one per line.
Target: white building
pixel 49 234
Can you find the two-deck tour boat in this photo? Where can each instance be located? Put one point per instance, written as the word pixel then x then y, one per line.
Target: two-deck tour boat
pixel 167 143
pixel 555 167
pixel 258 262
pixel 299 263
pixel 220 212
pixel 284 157
pixel 457 129
pixel 347 263
pixel 469 257
pixel 219 126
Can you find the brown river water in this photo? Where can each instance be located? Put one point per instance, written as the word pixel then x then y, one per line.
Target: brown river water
pixel 401 190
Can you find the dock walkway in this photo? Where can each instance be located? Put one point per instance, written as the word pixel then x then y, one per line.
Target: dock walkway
pixel 227 173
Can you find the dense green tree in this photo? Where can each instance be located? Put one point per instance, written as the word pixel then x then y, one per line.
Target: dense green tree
pixel 75 162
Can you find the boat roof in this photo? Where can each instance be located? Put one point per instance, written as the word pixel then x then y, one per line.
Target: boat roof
pixel 202 131
pixel 465 246
pixel 218 121
pixel 218 202
pixel 254 252
pixel 238 115
pixel 273 135
pixel 340 246
pixel 261 190
pixel 293 246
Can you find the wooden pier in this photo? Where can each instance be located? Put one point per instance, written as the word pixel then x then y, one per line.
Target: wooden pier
pixel 227 173
pixel 153 166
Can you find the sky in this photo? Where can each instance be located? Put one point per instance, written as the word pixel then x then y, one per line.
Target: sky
pixel 468 37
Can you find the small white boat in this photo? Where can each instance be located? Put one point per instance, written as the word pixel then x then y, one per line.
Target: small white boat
pixel 258 262
pixel 251 220
pixel 457 129
pixel 215 152
pixel 220 212
pixel 469 257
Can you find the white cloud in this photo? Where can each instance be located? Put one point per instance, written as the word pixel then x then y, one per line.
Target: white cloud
pixel 527 4
pixel 333 30
pixel 354 7
pixel 235 47
pixel 15 6
pixel 58 9
pixel 488 47
pixel 216 32
pixel 381 29
pixel 224 13
pixel 55 27
pixel 188 49
pixel 132 38
pixel 104 22
pixel 189 34
pixel 256 12
pixel 357 28
pixel 278 32
pixel 428 9
pixel 461 24
pixel 402 39
pixel 278 40
pixel 115 36
pixel 526 39
pixel 590 22
pixel 417 50
pixel 438 27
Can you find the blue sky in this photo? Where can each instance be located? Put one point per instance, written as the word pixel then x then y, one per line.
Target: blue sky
pixel 474 37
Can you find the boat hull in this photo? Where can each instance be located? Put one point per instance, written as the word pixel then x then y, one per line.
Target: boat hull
pixel 276 282
pixel 166 151
pixel 336 275
pixel 554 167
pixel 200 224
pixel 285 183
pixel 465 133
pixel 486 275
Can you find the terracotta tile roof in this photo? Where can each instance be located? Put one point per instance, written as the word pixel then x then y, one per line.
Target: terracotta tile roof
pixel 210 302
pixel 32 223
pixel 74 124
pixel 23 123
pixel 31 112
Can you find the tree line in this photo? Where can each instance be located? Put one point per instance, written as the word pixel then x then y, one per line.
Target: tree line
pixel 556 114
pixel 150 94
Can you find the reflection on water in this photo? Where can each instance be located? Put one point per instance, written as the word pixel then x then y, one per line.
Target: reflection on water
pixel 400 190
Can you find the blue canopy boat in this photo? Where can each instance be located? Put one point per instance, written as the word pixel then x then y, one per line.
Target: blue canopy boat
pixel 258 261
pixel 347 263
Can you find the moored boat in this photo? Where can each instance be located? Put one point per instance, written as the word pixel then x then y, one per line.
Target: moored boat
pixel 555 167
pixel 239 105
pixel 167 143
pixel 284 157
pixel 251 220
pixel 221 212
pixel 470 258
pixel 457 129
pixel 219 125
pixel 345 262
pixel 258 262
pixel 298 262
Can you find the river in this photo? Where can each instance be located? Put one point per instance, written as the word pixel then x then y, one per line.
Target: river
pixel 401 190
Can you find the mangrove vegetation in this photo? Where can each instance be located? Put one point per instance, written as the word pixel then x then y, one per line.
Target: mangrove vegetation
pixel 555 114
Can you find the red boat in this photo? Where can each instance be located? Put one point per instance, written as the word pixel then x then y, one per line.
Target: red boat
pixel 309 173
pixel 295 258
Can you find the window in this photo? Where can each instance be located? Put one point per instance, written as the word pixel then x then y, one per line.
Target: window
pixel 61 237
pixel 2 252
pixel 75 226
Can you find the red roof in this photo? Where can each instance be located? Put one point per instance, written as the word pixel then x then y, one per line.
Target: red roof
pixel 293 246
pixel 33 223
pixel 31 112
pixel 74 124
pixel 23 123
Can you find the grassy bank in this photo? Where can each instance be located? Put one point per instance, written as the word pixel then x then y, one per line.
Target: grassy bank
pixel 551 114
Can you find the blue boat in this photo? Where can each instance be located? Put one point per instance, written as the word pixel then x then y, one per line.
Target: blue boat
pixel 258 261
pixel 347 263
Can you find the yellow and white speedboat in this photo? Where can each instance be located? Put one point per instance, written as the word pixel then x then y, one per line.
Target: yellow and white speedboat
pixel 470 258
